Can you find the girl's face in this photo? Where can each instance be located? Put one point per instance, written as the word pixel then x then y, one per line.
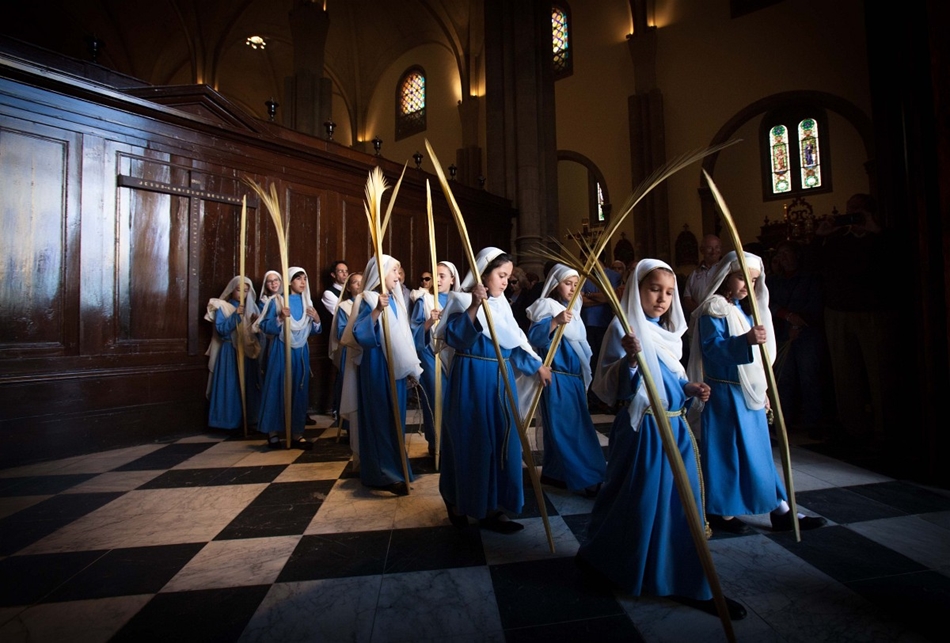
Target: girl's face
pixel 656 293
pixel 445 279
pixel 356 285
pixel 240 288
pixel 298 284
pixel 497 280
pixel 736 285
pixel 273 284
pixel 392 277
pixel 565 289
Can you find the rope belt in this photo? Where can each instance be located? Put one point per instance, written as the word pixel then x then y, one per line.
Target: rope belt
pixel 669 414
pixel 487 359
pixel 713 379
pixel 577 375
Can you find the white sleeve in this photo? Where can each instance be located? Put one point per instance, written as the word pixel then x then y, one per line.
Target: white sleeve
pixel 330 301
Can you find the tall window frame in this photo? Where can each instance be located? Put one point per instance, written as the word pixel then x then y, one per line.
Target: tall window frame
pixel 806 152
pixel 562 40
pixel 411 102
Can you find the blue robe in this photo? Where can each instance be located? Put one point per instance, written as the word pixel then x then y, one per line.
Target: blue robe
pixel 481 451
pixel 638 536
pixel 422 338
pixel 271 417
pixel 380 449
pixel 225 409
pixel 735 448
pixel 572 452
pixel 341 319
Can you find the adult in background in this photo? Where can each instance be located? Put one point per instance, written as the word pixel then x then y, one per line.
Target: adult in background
pixel 329 300
pixel 697 284
pixel 859 321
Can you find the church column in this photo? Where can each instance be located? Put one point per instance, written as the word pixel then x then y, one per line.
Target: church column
pixel 521 135
pixel 308 95
pixel 647 140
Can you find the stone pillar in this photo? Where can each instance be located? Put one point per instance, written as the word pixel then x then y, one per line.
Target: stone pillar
pixel 309 94
pixel 521 134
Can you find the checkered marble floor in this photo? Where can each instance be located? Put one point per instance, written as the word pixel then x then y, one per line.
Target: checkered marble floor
pixel 213 538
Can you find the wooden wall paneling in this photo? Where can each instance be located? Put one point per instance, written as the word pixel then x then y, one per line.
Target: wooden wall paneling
pixel 38 275
pixel 357 244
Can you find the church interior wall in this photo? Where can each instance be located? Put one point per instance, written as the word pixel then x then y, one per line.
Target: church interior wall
pixel 443 92
pixel 710 67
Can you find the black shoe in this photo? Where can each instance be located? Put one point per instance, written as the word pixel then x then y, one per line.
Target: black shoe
pixel 500 525
pixel 273 442
pixel 311 421
pixel 730 526
pixel 302 443
pixel 783 522
pixel 736 610
pixel 557 484
pixel 458 521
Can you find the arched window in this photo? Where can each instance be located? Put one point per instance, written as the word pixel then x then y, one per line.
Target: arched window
pixel 794 153
pixel 411 103
pixel 562 54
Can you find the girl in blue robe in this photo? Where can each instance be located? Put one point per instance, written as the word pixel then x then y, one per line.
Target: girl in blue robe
pixel 224 392
pixel 424 317
pixel 381 447
pixel 339 355
pixel 304 321
pixel 573 457
pixel 270 296
pixel 735 447
pixel 481 452
pixel 638 537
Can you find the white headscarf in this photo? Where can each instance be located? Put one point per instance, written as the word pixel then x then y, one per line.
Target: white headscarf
pixel 658 344
pixel 751 376
pixel 428 302
pixel 300 328
pixel 402 347
pixel 252 346
pixel 264 303
pixel 575 333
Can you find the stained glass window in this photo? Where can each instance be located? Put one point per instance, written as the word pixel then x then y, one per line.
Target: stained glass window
pixel 810 160
pixel 411 103
pixel 778 144
pixel 561 41
pixel 601 216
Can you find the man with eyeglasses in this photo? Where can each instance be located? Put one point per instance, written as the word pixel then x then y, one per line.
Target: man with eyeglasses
pixel 339 271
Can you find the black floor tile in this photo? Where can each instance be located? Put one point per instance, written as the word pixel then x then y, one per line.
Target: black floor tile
pixel 904 496
pixel 545 592
pixel 918 600
pixel 25 580
pixel 210 615
pixel 578 525
pixel 422 465
pixel 124 572
pixel 294 493
pixel 337 556
pixel 325 450
pixel 167 457
pixel 617 628
pixel 178 478
pixel 428 548
pixel 531 508
pixel 845 555
pixel 33 523
pixel 248 475
pixel 844 506
pixel 262 521
pixel 41 485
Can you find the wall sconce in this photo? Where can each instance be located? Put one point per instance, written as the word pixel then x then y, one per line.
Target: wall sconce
pixel 377 144
pixel 453 171
pixel 272 106
pixel 95 45
pixel 417 157
pixel 329 126
pixel 481 181
pixel 255 42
